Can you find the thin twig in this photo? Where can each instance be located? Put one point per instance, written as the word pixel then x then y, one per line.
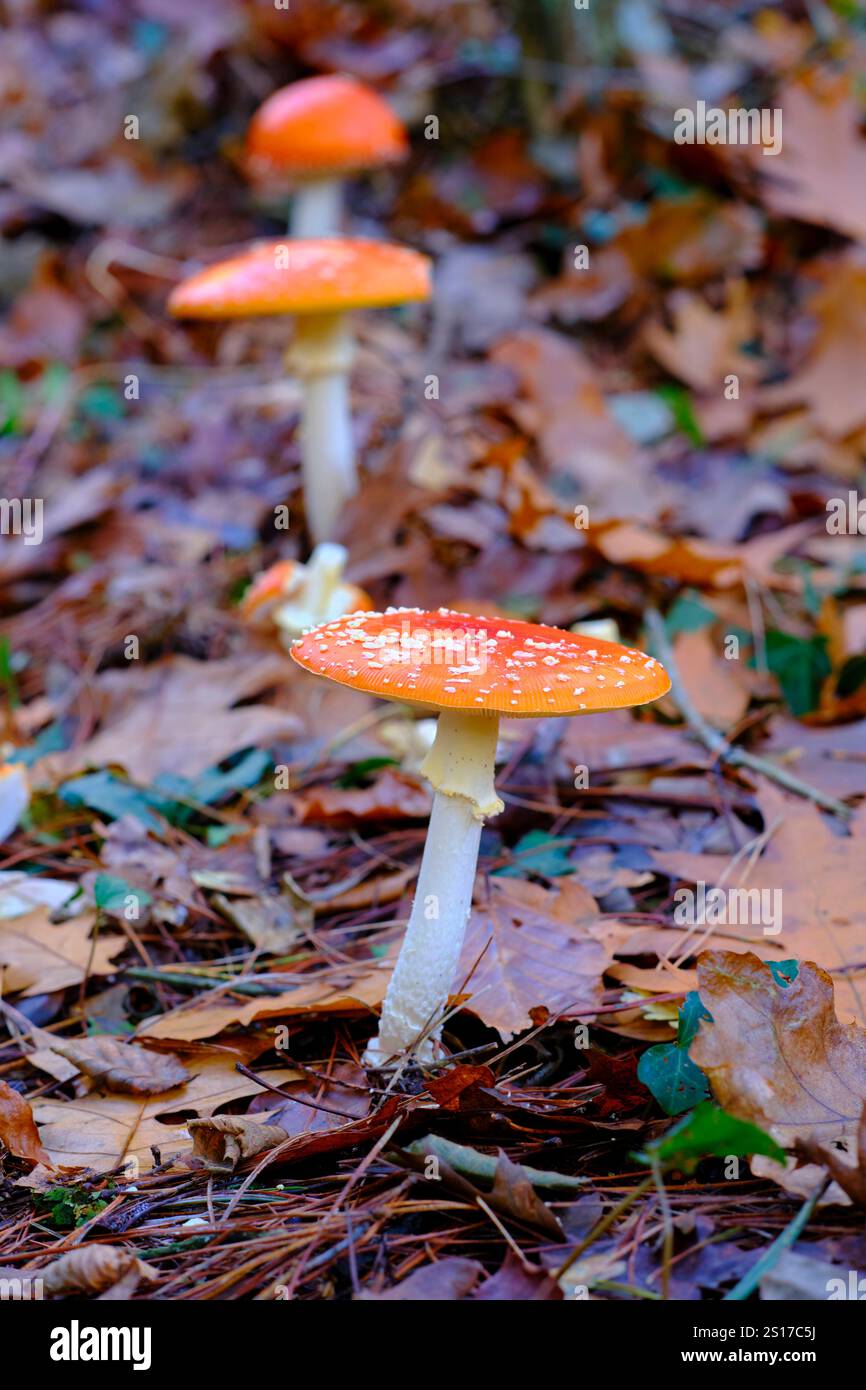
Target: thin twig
pixel 716 743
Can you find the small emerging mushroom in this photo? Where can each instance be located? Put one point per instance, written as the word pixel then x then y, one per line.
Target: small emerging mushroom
pixel 320 282
pixel 295 596
pixel 313 134
pixel 472 671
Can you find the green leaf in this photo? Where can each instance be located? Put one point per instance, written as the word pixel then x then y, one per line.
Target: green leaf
pixel 668 1071
pixel 7 674
pixel 783 971
pixel 12 404
pixel 215 785
pixel 852 675
pixel 710 1132
pixel 688 614
pixel 537 853
pixel 102 402
pixel 110 894
pixel 218 835
pixel 800 665
pixel 679 402
pixel 111 797
pixel 358 774
pixel 51 739
pixel 70 1206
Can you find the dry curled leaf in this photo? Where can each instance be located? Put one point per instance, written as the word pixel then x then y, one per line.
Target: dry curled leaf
pixel 115 1065
pixel 777 1055
pixel 108 1271
pixel 18 1130
pixel 393 795
pixel 223 1140
pixel 514 1195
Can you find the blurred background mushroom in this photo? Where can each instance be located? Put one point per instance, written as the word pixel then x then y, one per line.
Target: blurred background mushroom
pixel 310 136
pixel 320 282
pixel 293 597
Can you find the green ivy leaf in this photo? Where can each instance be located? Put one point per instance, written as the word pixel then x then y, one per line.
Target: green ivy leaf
pixel 800 665
pixel 110 894
pixel 537 853
pixel 688 613
pixel 358 774
pixel 710 1132
pixel 668 1071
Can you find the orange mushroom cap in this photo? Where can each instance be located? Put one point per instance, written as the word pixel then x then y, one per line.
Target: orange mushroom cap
pixel 478 665
pixel 323 126
pixel 316 276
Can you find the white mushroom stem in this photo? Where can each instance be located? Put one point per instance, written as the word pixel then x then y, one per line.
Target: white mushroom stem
pixel 317 208
pixel 324 576
pixel 460 767
pixel 321 355
pixel 316 593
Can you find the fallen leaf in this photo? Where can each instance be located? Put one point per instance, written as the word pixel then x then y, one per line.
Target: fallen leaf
pixel 444 1280
pixel 828 382
pixel 851 1178
pixel 811 882
pixel 271 923
pixel 106 1271
pixel 518 1281
pixel 37 956
pixel 456 1089
pixel 796 1277
pixel 819 174
pixel 107 1132
pixel 716 686
pixel 361 994
pixel 18 1130
pixel 704 345
pixel 393 795
pixel 567 411
pixel 115 1065
pixel 527 955
pixel 692 239
pixel 96 196
pixel 832 759
pixel 223 1140
pixel 177 715
pixel 351 1100
pixel 776 1055
pixel 514 1195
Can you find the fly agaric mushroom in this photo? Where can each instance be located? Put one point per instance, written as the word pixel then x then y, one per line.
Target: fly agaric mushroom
pixel 296 596
pixel 320 282
pixel 315 132
pixel 472 671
